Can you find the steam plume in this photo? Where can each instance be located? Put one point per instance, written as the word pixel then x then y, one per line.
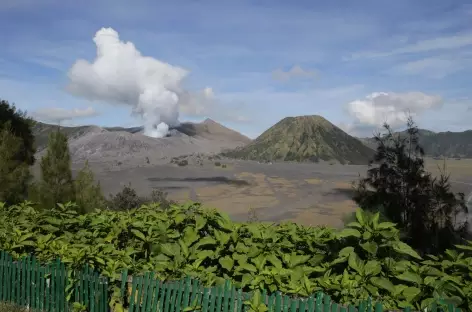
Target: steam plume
pixel 120 74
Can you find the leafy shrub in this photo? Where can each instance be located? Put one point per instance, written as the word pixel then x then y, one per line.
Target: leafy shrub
pixel 367 258
pixel 223 166
pixel 128 199
pixel 217 164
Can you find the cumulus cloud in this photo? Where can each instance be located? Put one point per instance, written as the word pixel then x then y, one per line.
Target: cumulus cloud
pixel 392 108
pixel 293 73
pixel 120 74
pixel 57 114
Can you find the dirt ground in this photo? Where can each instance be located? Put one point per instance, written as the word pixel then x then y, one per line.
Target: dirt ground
pixel 310 194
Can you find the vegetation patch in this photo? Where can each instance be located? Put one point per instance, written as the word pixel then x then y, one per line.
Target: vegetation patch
pixel 365 259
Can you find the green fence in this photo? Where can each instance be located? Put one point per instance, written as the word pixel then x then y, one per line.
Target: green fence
pixel 52 288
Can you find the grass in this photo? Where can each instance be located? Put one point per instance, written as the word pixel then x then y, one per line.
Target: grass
pixel 10 307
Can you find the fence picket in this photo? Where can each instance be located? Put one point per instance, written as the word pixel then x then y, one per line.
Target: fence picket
pixel 41 288
pixel 150 293
pixel 155 298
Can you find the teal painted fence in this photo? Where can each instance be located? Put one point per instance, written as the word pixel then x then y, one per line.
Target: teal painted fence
pixel 52 288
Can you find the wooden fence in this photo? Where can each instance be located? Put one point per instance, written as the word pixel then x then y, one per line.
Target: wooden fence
pixel 52 288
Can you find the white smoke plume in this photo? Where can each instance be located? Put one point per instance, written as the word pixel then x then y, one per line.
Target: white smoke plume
pixel 120 74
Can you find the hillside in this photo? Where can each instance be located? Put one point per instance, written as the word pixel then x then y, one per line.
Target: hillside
pixel 41 132
pixel 208 129
pixel 446 144
pixel 304 138
pixel 118 145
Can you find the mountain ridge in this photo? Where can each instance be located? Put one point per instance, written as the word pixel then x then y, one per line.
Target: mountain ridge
pixel 206 129
pixel 307 138
pixel 452 144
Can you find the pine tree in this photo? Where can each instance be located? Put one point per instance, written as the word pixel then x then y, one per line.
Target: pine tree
pixel 399 187
pixel 20 126
pixel 56 184
pixel 88 194
pixel 14 173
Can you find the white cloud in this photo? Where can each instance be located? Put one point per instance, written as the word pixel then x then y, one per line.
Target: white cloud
pixel 294 73
pixel 427 45
pixel 55 114
pixel 120 74
pixel 392 108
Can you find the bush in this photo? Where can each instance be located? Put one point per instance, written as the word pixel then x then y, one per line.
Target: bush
pixel 223 166
pixel 128 199
pixel 217 164
pixel 366 259
pixel 182 163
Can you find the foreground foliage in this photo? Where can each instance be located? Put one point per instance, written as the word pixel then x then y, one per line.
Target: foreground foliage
pixel 365 259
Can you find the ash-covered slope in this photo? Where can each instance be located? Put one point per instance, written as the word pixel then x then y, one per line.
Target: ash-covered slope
pixel 129 144
pixel 213 130
pixel 304 138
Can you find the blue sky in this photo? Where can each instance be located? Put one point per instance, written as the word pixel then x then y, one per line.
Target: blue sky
pixel 357 63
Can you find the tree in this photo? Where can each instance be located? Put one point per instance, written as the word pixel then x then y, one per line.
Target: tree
pixel 21 127
pixel 128 199
pixel 56 185
pixel 88 193
pixel 397 184
pixel 14 173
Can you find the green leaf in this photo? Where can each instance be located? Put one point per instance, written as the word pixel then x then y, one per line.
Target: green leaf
pixel 184 248
pixel 354 224
pixel 385 225
pixel 349 232
pixel 248 267
pixel 190 235
pixel 403 248
pixel 411 293
pixel 200 222
pixel 275 261
pixel 139 234
pixel 179 218
pixel 409 276
pixel 382 282
pixel 296 260
pixel 226 262
pixel 372 267
pixel 205 254
pixel 370 247
pixel 207 240
pixel 375 220
pixel 355 263
pixel 346 251
pixel 360 216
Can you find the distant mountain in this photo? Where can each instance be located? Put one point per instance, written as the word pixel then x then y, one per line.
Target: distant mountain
pixel 208 129
pixel 117 146
pixel 304 138
pixel 439 144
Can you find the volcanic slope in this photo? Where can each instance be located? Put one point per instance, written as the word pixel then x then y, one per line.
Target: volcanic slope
pixel 304 138
pixel 131 145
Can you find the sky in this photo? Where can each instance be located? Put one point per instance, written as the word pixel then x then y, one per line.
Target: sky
pixel 246 64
